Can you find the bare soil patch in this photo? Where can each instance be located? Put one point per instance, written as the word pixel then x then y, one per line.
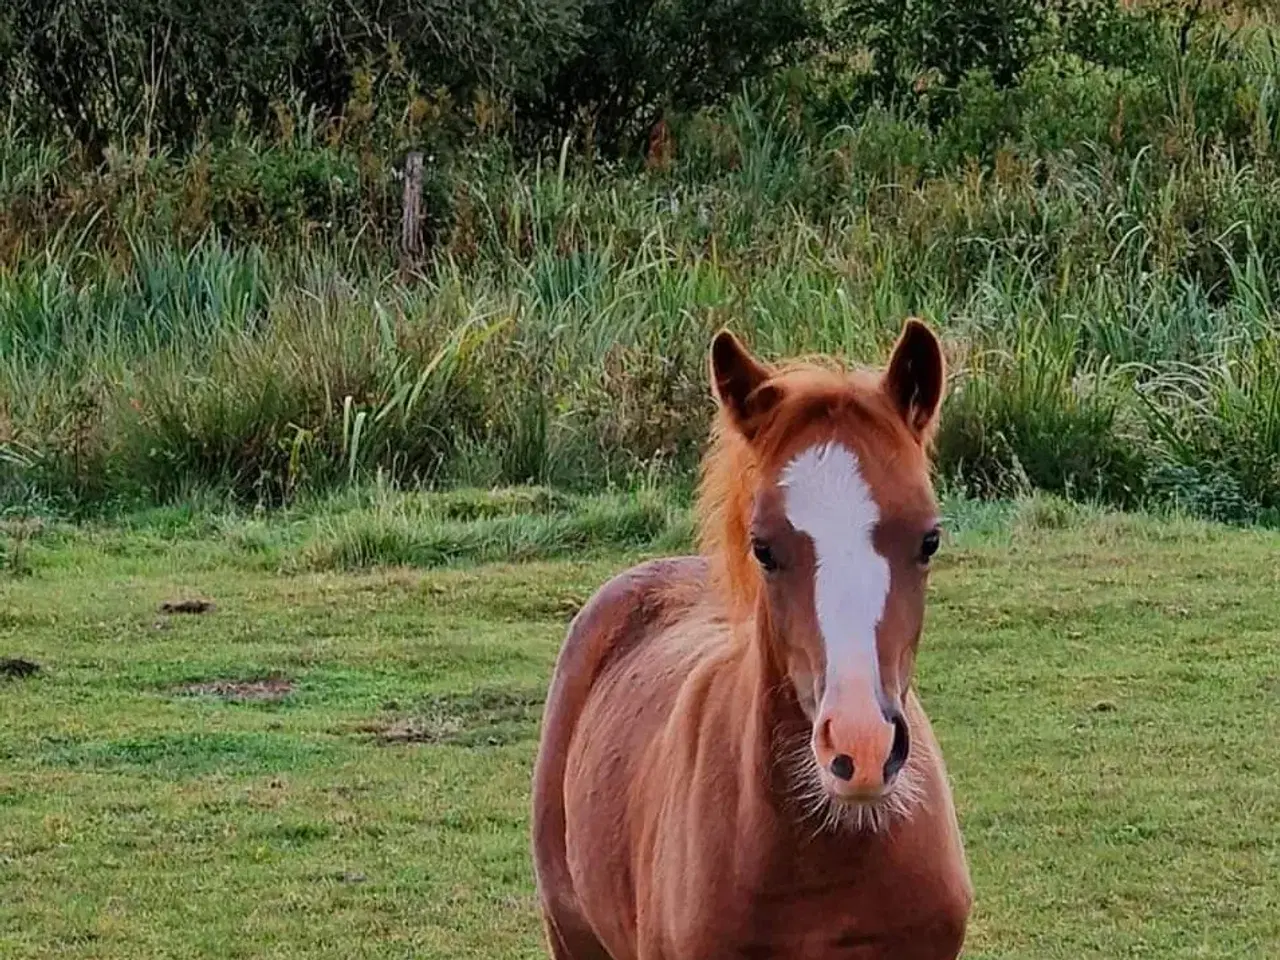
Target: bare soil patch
pixel 266 690
pixel 15 668
pixel 484 718
pixel 188 606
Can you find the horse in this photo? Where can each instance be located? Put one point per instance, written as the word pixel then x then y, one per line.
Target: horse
pixel 733 762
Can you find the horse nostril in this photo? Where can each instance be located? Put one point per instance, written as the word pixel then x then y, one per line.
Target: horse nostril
pixel 901 747
pixel 842 767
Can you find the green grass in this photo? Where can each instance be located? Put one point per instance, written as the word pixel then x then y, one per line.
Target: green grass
pixel 1106 688
pixel 370 527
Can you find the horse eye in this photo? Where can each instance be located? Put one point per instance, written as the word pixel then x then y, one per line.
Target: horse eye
pixel 930 545
pixel 764 556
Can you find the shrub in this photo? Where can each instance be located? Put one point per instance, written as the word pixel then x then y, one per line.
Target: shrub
pixel 173 69
pixel 1217 426
pixel 639 59
pixel 945 37
pixel 328 393
pixel 923 50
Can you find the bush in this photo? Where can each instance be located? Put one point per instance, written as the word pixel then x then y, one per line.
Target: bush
pixel 922 51
pixel 176 69
pixel 1031 418
pixel 172 71
pixel 1217 429
pixel 945 37
pixel 639 59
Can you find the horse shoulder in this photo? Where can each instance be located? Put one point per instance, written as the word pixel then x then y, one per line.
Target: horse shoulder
pixel 619 616
pixel 622 613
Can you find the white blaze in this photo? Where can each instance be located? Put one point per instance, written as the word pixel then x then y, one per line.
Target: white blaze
pixel 827 498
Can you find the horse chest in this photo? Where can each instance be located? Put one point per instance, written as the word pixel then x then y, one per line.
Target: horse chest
pixel 849 923
pixel 857 909
pixel 843 922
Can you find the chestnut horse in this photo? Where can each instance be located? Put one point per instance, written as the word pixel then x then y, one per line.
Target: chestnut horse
pixel 733 761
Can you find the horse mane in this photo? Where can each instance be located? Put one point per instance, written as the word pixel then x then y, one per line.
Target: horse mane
pixel 725 492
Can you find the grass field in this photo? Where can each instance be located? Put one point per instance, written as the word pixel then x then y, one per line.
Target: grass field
pixel 334 761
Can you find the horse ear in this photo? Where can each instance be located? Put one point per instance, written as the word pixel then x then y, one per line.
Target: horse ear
pixel 739 382
pixel 916 376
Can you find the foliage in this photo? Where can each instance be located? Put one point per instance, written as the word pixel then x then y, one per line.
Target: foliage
pixel 640 59
pixel 922 51
pixel 909 39
pixel 1030 417
pixel 1222 436
pixel 232 319
pixel 173 71
pixel 170 70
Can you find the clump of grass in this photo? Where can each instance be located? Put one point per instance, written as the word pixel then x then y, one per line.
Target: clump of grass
pixel 16 536
pixel 467 503
pixel 1048 512
pixel 1034 418
pixel 395 534
pixel 1217 424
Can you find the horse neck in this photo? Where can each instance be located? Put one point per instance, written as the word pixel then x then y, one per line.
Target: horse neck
pixel 769 717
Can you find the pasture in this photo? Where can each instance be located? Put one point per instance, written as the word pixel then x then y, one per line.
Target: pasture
pixel 334 760
pixel 338 372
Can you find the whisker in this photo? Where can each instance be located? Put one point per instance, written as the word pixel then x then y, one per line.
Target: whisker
pixel 808 796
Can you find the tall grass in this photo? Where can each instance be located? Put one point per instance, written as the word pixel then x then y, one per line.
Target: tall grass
pixel 1098 247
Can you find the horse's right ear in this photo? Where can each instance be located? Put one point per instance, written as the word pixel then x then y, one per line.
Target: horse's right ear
pixel 739 382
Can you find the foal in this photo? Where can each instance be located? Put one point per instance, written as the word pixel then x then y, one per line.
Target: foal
pixel 733 762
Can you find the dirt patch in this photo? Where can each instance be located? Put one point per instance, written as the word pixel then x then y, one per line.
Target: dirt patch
pixel 188 606
pixel 485 718
pixel 15 668
pixel 267 690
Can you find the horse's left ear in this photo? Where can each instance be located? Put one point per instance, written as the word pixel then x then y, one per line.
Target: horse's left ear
pixel 915 378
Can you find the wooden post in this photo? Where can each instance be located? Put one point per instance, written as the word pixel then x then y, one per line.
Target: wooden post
pixel 411 215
